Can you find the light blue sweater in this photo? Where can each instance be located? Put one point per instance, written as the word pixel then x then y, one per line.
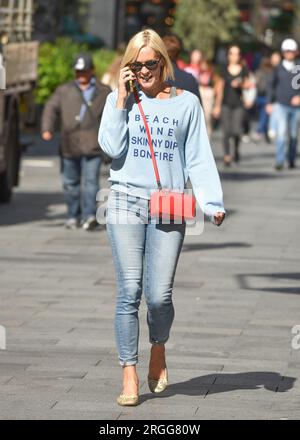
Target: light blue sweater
pixel 181 145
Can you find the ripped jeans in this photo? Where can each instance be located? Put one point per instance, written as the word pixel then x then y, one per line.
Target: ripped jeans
pixel 145 255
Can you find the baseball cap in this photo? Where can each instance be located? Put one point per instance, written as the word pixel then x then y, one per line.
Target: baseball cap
pixel 83 61
pixel 289 44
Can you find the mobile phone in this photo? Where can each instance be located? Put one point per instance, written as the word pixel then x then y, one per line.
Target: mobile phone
pixel 130 86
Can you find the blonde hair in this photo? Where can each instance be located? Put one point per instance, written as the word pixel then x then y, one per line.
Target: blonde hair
pixel 151 39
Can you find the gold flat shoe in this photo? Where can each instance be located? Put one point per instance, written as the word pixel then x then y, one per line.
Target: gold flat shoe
pixel 158 385
pixel 127 400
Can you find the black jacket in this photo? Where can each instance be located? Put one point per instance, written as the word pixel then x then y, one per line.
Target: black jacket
pixel 283 85
pixel 185 81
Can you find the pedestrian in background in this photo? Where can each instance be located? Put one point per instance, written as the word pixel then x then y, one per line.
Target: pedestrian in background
pixel 195 60
pixel 249 95
pixel 79 105
pixel 146 251
pixel 263 76
pixel 272 127
pixel 229 101
pixel 275 59
pixel 182 79
pixel 208 82
pixel 283 100
pixel 111 76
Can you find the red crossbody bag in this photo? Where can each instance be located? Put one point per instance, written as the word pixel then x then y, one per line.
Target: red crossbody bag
pixel 165 203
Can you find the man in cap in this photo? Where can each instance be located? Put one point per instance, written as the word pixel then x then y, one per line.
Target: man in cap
pixel 79 103
pixel 283 101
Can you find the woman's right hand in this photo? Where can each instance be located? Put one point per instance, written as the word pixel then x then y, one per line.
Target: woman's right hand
pixel 123 93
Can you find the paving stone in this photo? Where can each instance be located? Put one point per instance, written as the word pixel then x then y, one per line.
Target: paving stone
pixel 236 299
pixel 103 404
pixel 25 414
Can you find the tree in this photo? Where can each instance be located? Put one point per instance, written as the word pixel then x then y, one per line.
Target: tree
pixel 296 24
pixel 203 23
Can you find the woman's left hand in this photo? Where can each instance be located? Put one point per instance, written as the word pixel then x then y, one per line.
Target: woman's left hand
pixel 219 217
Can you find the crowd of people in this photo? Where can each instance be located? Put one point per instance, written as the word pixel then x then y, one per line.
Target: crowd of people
pixel 248 99
pixel 241 95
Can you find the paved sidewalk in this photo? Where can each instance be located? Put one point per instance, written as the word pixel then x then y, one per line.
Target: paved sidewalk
pixel 236 300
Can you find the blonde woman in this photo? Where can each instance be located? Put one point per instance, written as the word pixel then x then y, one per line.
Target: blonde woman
pixel 146 252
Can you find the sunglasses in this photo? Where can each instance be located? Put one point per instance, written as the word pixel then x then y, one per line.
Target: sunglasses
pixel 150 65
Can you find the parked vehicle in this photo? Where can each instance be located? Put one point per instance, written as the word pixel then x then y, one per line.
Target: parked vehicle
pixel 20 57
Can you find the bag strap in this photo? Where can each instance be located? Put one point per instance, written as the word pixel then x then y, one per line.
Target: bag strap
pixel 173 92
pixel 107 159
pixel 137 99
pixel 84 101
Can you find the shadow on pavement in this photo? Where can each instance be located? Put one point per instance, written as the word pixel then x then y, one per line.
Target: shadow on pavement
pixel 247 282
pixel 265 155
pixel 222 383
pixel 210 246
pixel 34 146
pixel 243 175
pixel 27 207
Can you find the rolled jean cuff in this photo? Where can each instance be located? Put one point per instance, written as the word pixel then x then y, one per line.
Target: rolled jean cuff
pixel 152 341
pixel 131 361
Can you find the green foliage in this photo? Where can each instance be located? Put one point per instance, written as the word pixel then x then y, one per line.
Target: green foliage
pixel 56 65
pixel 102 60
pixel 203 23
pixel 296 23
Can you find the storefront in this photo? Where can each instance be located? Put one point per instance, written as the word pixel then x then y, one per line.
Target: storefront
pixel 115 21
pixel 157 14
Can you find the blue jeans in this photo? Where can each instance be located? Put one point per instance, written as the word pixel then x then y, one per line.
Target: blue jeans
pixel 287 121
pixel 76 171
pixel 263 117
pixel 272 124
pixel 145 255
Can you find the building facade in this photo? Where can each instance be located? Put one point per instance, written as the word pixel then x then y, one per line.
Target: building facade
pixel 114 21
